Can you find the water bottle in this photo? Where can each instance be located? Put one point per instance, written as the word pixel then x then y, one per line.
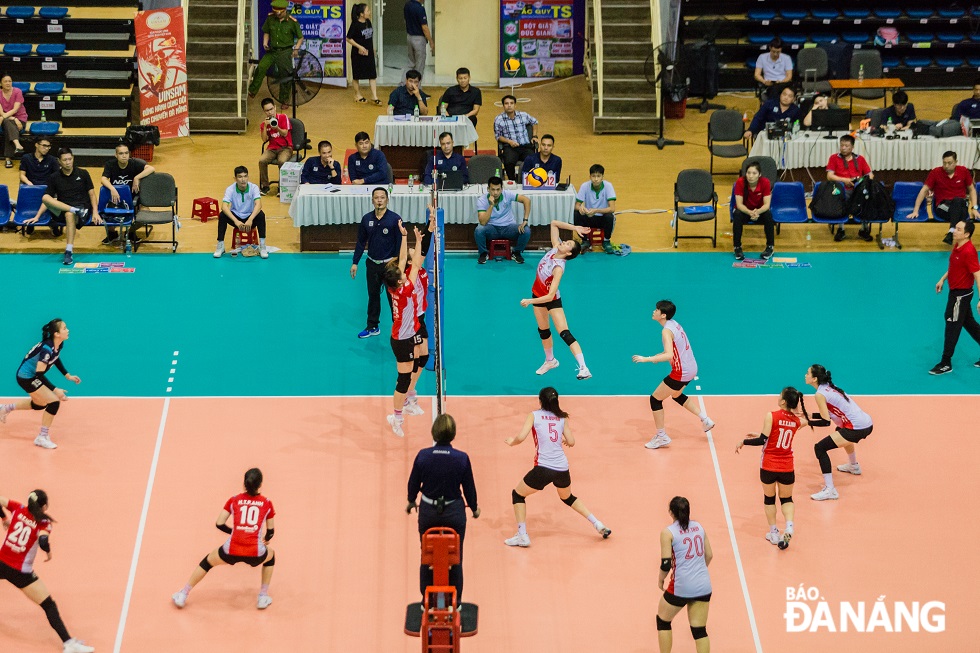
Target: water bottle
pixel 43 118
pixel 796 128
pixel 391 110
pixel 890 127
pixel 444 110
pixel 808 237
pixel 861 73
pixel 411 182
pixel 345 179
pixel 415 114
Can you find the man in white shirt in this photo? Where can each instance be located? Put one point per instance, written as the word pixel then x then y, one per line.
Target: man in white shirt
pixel 774 68
pixel 595 207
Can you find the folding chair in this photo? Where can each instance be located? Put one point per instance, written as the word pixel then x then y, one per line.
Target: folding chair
pixel 696 189
pixel 483 166
pixel 158 205
pixel 726 125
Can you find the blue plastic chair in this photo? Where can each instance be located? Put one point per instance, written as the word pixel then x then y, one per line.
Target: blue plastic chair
pixel 760 38
pixel 794 39
pixel 750 62
pixel 116 218
pixel 45 128
pixel 53 12
pixel 793 14
pixel 856 37
pixel 904 194
pixel 949 62
pixel 919 37
pixel 918 13
pixel 761 14
pixel 50 49
pixel 25 87
pixel 890 62
pixel 824 13
pixel 887 12
pixel 974 38
pixel 788 204
pixel 20 12
pixel 973 61
pixel 855 13
pixel 17 49
pixel 49 88
pixel 949 37
pixel 5 209
pixel 28 202
pixel 951 12
pixel 918 62
pixel 823 37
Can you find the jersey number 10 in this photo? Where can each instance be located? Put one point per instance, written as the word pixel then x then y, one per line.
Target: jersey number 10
pixel 785 439
pixel 249 516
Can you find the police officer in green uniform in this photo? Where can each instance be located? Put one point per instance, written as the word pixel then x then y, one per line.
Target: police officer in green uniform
pixel 282 38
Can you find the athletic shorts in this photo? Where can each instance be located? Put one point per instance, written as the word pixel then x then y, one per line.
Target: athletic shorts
pixel 554 303
pixel 405 349
pixel 252 561
pixel 783 478
pixel 59 218
pixel 674 384
pixel 29 385
pixel 681 601
pixel 18 579
pixel 854 435
pixel 423 331
pixel 540 477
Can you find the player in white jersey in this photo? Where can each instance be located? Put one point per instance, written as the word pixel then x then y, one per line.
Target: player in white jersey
pixel 853 425
pixel 683 369
pixel 684 547
pixel 551 431
pixel 546 299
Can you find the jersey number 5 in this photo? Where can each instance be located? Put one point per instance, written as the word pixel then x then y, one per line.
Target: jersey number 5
pixel 553 432
pixel 249 516
pixel 696 545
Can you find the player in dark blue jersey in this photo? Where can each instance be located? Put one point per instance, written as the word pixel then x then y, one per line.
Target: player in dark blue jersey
pixel 31 377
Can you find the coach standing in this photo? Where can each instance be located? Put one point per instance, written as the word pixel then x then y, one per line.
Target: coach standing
pixel 438 473
pixel 379 234
pixel 964 271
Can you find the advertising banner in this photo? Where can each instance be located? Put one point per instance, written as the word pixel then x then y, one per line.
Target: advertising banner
pixel 322 22
pixel 541 40
pixel 162 71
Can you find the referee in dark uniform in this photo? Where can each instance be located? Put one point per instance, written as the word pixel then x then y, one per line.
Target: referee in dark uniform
pixel 379 234
pixel 438 472
pixel 962 275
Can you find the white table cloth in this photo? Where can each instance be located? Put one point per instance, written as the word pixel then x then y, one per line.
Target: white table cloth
pixel 389 131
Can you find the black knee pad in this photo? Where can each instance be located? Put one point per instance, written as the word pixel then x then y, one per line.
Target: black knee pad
pixel 570 500
pixel 36 406
pixel 656 404
pixel 205 565
pixel 404 380
pixel 699 632
pixel 544 333
pixel 661 624
pixel 769 501
pixel 788 499
pixel 270 563
pixel 52 408
pixel 681 399
pixel 516 498
pixel 567 336
pixel 422 361
pixel 824 445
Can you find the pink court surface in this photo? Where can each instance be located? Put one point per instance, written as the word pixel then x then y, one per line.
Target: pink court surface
pixel 136 484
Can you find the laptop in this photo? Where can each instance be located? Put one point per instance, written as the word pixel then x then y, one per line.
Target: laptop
pixel 831 120
pixel 451 181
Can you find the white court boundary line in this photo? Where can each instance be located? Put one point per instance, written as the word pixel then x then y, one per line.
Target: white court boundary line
pixel 731 535
pixel 388 395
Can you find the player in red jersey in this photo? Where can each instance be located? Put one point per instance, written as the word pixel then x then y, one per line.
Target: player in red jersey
pixel 776 471
pixel 546 299
pixel 251 512
pixel 411 406
pixel 28 528
pixel 404 322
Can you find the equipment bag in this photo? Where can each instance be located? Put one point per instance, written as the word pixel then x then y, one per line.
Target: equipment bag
pixel 829 201
pixel 870 202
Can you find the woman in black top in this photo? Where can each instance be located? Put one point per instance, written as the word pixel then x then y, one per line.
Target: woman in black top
pixel 360 36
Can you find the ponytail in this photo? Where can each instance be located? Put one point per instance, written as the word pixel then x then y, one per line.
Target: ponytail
pixel 49 329
pixel 35 501
pixel 822 375
pixel 680 508
pixel 253 481
pixel 794 400
pixel 548 398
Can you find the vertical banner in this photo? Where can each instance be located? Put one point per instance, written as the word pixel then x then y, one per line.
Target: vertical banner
pixel 541 40
pixel 162 71
pixel 322 22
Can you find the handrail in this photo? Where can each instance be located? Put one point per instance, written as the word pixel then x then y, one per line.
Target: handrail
pixel 656 39
pixel 239 55
pixel 597 20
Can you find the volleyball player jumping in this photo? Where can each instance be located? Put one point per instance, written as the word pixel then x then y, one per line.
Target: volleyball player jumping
pixel 251 513
pixel 853 425
pixel 547 300
pixel 411 406
pixel 404 323
pixel 28 529
pixel 683 369
pixel 684 547
pixel 776 470
pixel 550 429
pixel 31 378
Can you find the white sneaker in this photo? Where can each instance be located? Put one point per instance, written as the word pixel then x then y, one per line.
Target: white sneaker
pixel 180 598
pixel 75 646
pixel 45 442
pixel 518 540
pixel 825 494
pixel 773 537
pixel 263 252
pixel 850 468
pixel 3 415
pixel 583 373
pixel 707 424
pixel 603 531
pixel 412 408
pixel 396 425
pixel 219 250
pixel 548 365
pixel 658 441
pixel 264 601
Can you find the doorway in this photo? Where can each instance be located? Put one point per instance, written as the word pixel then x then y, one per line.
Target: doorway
pixel 392 45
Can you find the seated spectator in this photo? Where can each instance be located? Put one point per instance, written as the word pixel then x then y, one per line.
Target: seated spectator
pixel 462 99
pixel 36 168
pixel 276 132
pixel 774 68
pixel 14 118
pixel 543 158
pixel 753 193
pixel 367 165
pixel 124 171
pixel 969 107
pixel 241 208
pixel 848 168
pixel 954 197
pixel 70 198
pixel 595 207
pixel 446 160
pixel 774 110
pixel 495 211
pixel 819 102
pixel 404 99
pixel 322 169
pixel 510 130
pixel 901 113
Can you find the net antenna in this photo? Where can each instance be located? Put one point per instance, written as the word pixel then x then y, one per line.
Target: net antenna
pixel 437 259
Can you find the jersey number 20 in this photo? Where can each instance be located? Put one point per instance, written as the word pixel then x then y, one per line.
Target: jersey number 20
pixel 696 545
pixel 19 534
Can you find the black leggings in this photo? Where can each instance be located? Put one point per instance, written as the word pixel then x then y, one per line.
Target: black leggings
pixel 604 221
pixel 739 220
pixel 223 222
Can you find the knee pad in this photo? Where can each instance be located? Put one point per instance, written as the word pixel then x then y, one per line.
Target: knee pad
pixel 699 632
pixel 769 501
pixel 516 498
pixel 570 500
pixel 661 624
pixel 422 361
pixel 825 445
pixel 681 399
pixel 544 333
pixel 567 336
pixel 205 565
pixel 270 563
pixel 788 499
pixel 656 404
pixel 52 408
pixel 36 406
pixel 404 380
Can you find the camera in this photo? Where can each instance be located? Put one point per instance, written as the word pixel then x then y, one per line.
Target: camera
pixel 273 122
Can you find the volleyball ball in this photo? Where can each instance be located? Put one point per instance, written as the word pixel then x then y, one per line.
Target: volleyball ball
pixel 536 177
pixel 512 65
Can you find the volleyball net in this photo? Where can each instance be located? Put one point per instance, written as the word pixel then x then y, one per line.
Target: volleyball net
pixel 435 263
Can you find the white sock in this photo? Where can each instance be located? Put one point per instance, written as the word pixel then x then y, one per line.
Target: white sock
pixel 411 396
pixel 774 529
pixel 522 528
pixel 69 247
pixel 221 244
pixel 581 359
pixel 703 415
pixel 828 480
pixel 592 520
pixel 549 354
pixel 261 242
pixel 789 526
pixel 662 432
pixel 853 458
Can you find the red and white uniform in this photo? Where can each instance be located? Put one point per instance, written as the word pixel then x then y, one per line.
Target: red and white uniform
pixel 690 576
pixel 777 453
pixel 548 432
pixel 546 274
pixel 421 291
pixel 249 514
pixel 683 367
pixel 844 412
pixel 20 543
pixel 404 318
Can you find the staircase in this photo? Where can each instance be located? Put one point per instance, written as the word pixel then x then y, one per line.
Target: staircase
pixel 211 67
pixel 629 101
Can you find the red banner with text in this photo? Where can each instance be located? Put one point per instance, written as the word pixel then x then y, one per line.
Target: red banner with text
pixel 162 71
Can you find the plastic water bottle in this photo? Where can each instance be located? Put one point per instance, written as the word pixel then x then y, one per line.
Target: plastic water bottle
pixel 444 110
pixel 391 110
pixel 890 127
pixel 345 179
pixel 808 237
pixel 43 117
pixel 415 114
pixel 411 182
pixel 861 73
pixel 796 128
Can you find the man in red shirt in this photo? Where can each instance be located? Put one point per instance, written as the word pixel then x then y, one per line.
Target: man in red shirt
pixel 276 133
pixel 951 185
pixel 964 271
pixel 848 168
